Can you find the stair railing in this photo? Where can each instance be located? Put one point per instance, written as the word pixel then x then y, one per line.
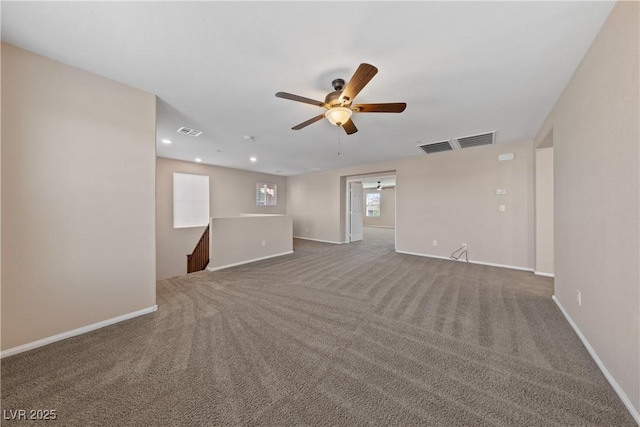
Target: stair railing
pixel 199 258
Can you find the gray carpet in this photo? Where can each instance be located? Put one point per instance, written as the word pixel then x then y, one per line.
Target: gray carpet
pixel 330 335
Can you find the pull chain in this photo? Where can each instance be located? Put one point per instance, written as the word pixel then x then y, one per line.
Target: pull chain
pixel 339 132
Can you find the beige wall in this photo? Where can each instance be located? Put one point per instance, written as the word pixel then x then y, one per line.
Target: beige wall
pixel 1 47
pixel 387 216
pixel 597 184
pixel 231 192
pixel 544 211
pixel 78 228
pixel 238 240
pixel 448 197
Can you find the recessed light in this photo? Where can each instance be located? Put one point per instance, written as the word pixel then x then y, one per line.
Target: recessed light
pixel 253 159
pixel 198 160
pixel 166 141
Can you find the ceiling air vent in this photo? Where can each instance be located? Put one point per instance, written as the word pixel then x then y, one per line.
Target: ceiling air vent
pixel 476 140
pixel 436 147
pixel 188 131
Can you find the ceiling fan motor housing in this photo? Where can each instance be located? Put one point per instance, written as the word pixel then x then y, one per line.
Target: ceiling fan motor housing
pixel 333 98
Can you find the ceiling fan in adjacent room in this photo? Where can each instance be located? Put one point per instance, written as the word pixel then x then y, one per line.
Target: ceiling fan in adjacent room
pixel 384 187
pixel 339 103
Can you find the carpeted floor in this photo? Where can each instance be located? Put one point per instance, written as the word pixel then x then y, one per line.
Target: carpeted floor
pixel 330 335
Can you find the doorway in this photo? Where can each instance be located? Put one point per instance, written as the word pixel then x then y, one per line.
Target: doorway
pixel 370 212
pixel 544 218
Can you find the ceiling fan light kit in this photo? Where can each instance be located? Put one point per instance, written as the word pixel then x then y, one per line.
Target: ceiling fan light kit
pixel 338 115
pixel 338 103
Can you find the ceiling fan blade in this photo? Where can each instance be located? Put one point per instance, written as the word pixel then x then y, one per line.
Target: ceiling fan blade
pixel 293 97
pixel 395 107
pixel 308 122
pixel 349 127
pixel 361 77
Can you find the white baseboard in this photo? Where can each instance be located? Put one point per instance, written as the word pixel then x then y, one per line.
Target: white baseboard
pixel 318 240
pixel 512 267
pixel 44 341
pixel 222 267
pixel 380 226
pixel 540 273
pixel 621 394
pixel 424 255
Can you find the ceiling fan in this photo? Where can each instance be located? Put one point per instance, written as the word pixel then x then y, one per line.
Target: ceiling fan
pixel 379 186
pixel 339 103
pixel 384 187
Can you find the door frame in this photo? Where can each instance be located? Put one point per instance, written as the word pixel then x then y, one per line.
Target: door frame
pixel 367 177
pixel 542 236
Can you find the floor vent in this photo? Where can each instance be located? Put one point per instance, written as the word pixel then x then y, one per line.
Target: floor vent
pixel 436 147
pixel 188 131
pixel 476 140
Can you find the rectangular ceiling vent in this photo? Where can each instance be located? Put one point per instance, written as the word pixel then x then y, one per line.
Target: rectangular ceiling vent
pixel 188 131
pixel 436 147
pixel 476 140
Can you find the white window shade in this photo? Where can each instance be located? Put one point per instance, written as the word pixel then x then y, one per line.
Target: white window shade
pixel 190 200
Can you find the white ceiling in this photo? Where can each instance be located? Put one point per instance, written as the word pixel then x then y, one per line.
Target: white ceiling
pixel 462 67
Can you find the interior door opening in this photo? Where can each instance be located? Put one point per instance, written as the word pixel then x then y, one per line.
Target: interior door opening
pixel 370 208
pixel 544 208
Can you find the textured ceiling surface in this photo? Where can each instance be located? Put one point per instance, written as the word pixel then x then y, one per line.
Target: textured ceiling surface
pixel 463 68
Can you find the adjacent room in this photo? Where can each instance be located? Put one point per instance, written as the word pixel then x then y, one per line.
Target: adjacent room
pixel 320 213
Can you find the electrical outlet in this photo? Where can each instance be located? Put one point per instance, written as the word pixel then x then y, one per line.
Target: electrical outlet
pixel 503 208
pixel 264 243
pixel 435 243
pixel 464 245
pixel 579 298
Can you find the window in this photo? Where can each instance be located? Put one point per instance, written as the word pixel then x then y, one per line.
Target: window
pixel 373 204
pixel 266 194
pixel 190 200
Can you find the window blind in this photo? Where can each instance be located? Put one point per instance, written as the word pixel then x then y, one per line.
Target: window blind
pixel 190 200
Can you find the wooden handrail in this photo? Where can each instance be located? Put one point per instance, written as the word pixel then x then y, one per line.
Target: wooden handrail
pixel 199 258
